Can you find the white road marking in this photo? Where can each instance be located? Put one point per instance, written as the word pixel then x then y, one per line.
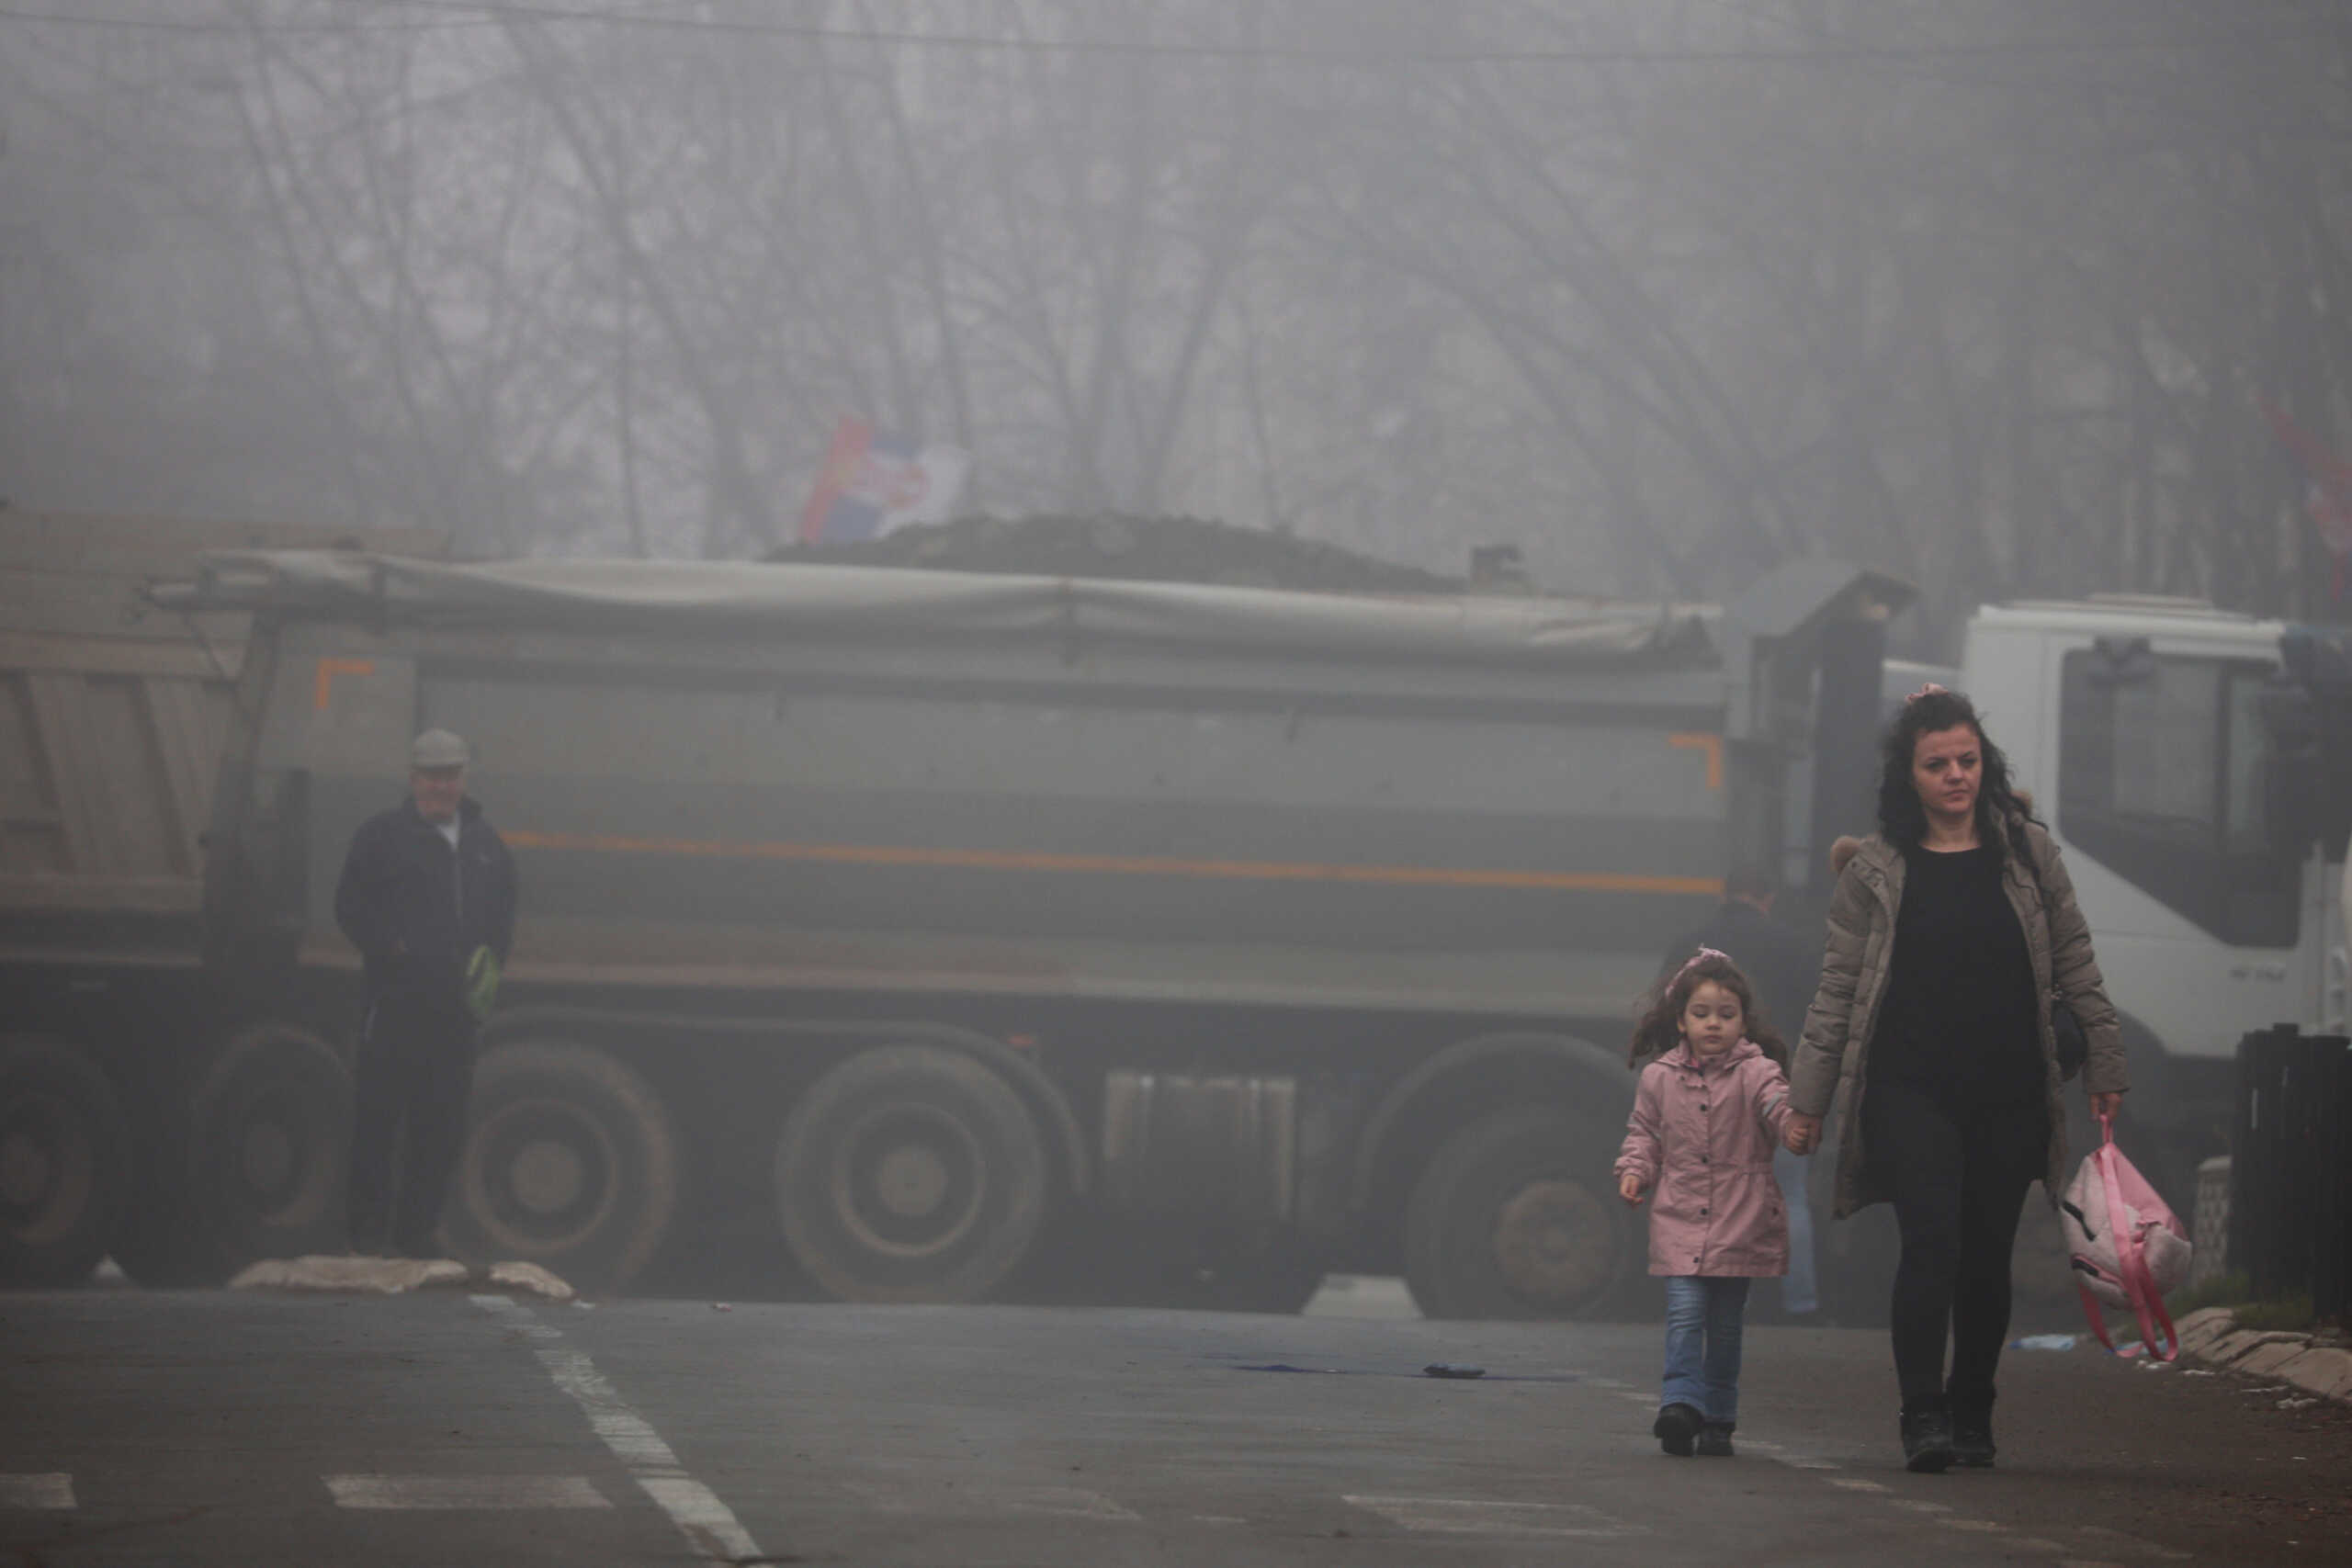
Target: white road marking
pixel 2117 1538
pixel 703 1518
pixel 465 1491
pixel 1640 1398
pixel 1067 1501
pixel 54 1490
pixel 707 1522
pixel 1471 1515
pixel 2034 1543
pixel 1807 1462
pixel 970 1497
pixel 625 1432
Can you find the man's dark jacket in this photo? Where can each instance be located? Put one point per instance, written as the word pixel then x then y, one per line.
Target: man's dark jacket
pixel 416 911
pixel 1782 966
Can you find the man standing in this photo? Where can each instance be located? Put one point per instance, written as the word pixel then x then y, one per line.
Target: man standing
pixel 1784 969
pixel 427 896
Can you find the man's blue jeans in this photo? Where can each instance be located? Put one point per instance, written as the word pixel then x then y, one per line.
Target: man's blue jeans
pixel 1703 1324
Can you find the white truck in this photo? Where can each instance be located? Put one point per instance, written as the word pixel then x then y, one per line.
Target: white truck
pixel 2192 764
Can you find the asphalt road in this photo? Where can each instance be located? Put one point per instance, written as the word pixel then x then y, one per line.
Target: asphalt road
pixel 159 1428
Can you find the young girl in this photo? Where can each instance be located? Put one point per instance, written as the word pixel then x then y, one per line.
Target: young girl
pixel 1710 1109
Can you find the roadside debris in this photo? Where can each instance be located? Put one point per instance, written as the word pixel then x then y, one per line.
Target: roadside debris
pixel 371 1276
pixel 394 1276
pixel 530 1277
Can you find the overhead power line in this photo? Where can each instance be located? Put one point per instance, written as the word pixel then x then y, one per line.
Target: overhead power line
pixel 463 15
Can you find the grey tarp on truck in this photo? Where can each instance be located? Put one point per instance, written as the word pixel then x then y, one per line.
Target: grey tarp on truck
pixel 739 598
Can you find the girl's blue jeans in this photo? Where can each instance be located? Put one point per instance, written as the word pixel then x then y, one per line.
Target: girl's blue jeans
pixel 1703 1324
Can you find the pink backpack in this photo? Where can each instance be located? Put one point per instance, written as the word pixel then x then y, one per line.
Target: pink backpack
pixel 2126 1245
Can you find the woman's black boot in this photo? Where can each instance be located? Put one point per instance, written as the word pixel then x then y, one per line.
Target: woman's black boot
pixel 1927 1436
pixel 1972 1435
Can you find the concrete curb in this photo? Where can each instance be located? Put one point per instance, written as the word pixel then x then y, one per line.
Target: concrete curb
pixel 2317 1364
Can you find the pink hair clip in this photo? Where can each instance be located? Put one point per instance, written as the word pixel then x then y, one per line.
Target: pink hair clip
pixel 1704 953
pixel 1930 689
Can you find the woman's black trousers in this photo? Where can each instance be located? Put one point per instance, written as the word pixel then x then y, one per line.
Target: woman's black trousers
pixel 1957 1177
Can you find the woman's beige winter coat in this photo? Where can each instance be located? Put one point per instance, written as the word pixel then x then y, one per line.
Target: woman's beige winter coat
pixel 1831 1069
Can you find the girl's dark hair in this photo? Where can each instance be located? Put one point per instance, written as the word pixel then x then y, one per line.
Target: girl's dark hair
pixel 2001 813
pixel 1660 1029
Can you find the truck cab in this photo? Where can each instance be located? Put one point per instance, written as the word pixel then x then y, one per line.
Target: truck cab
pixel 2148 732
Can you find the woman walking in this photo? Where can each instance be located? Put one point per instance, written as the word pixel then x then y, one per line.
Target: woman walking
pixel 1950 931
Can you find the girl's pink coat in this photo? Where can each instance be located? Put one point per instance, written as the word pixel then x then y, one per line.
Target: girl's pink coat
pixel 1701 1141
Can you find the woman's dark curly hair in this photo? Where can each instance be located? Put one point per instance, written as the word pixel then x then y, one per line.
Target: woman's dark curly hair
pixel 2001 812
pixel 1660 1029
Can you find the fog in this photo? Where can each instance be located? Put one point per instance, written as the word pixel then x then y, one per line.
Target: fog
pixel 1995 295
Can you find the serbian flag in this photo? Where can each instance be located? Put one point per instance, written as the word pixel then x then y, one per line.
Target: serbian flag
pixel 873 483
pixel 2327 486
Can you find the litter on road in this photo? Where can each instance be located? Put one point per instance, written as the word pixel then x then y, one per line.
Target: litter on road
pixel 394 1276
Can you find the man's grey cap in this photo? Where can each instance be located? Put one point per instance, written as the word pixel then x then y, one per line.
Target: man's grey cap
pixel 439 748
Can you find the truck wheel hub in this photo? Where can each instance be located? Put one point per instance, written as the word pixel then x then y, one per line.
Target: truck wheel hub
pixel 909 1181
pixel 549 1174
pixel 1551 1242
pixel 548 1177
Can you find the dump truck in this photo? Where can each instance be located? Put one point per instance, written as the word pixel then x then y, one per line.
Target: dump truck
pixel 114 716
pixel 937 936
pixel 943 936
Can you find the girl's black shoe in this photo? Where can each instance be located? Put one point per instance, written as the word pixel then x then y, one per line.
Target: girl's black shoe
pixel 1971 1436
pixel 1926 1439
pixel 1675 1427
pixel 1714 1440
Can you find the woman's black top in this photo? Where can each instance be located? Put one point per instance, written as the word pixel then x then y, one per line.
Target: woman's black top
pixel 1959 1018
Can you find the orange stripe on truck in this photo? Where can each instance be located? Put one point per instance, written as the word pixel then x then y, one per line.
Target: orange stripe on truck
pixel 1711 745
pixel 1116 865
pixel 323 691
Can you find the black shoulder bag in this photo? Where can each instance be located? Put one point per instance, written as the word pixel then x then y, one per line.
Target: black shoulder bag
pixel 2074 1045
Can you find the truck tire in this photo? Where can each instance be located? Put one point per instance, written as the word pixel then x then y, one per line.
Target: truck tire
pixel 910 1173
pixel 1515 1217
pixel 569 1163
pixel 64 1156
pixel 269 1149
